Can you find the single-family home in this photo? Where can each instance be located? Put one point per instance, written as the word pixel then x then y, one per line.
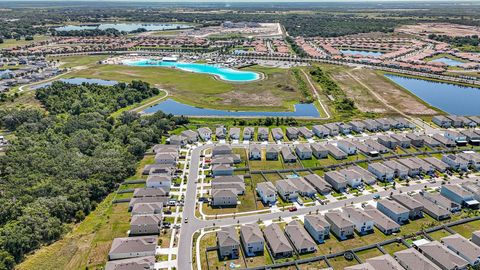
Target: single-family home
pixel 220 133
pixel 303 151
pixel 393 210
pixel 300 238
pixel 399 170
pixel 354 178
pixel 271 152
pixel 277 134
pixel 367 177
pixel 147 209
pixel 165 148
pixel 305 132
pixel 333 129
pixel 444 140
pixel 457 121
pixel 344 128
pixel 192 136
pixel 252 239
pixel 178 140
pixel 249 132
pixel 150 192
pixel 223 149
pixel 262 134
pixel 414 169
pixel 376 146
pixel 473 137
pixel 363 222
pixel 412 259
pixel 133 201
pixel 365 149
pixel 234 133
pixel 255 152
pixel 339 225
pixel 159 181
pixel 415 140
pixel 462 247
pixel 455 162
pixel 317 226
pixel 381 221
pixel 384 123
pixel 303 187
pixel 228 243
pixel 428 140
pixel 347 147
pixel 383 262
pixel 319 151
pixel 473 159
pixel 476 238
pixel 292 133
pixel 145 224
pixel 473 187
pixel 414 206
pixel 458 137
pixel 132 247
pixel 318 183
pixel 442 256
pixel 222 170
pixel 205 133
pixel 437 164
pixel 277 241
pixel 371 125
pixel 357 126
pixel 336 180
pixel 402 141
pixel 287 190
pixel 143 263
pixel 442 121
pixel 320 131
pixel 387 141
pixel 287 155
pixel 335 152
pixel 165 169
pixel 224 197
pixel 443 201
pixel 382 172
pixel 432 209
pixel 267 192
pixel 234 182
pixel 166 158
pixel 459 195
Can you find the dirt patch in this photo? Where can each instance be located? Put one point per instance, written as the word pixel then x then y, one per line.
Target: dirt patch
pixel 250 99
pixel 98 253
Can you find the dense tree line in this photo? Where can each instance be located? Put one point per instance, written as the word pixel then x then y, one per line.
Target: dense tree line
pixel 110 32
pixel 457 41
pixel 63 162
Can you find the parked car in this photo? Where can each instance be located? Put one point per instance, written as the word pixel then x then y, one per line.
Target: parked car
pixel 292 209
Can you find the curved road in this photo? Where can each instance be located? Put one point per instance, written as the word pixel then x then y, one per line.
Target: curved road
pixel 185 247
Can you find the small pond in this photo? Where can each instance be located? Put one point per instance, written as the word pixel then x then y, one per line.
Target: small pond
pixel 364 53
pixel 448 61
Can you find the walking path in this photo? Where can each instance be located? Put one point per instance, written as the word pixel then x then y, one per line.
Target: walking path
pixel 314 90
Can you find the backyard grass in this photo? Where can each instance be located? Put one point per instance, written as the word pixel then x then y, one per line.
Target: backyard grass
pixel 277 92
pixel 369 253
pixel 439 234
pixel 466 229
pixel 394 247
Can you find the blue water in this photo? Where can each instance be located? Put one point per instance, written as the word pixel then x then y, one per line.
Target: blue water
pixel 78 81
pixel 364 53
pixel 448 61
pixel 127 27
pixel 177 108
pixel 226 74
pixel 451 98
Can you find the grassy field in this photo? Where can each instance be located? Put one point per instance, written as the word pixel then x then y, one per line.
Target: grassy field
pixel 11 43
pixel 78 60
pixel 278 90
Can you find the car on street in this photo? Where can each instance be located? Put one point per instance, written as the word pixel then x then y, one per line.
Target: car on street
pixel 292 209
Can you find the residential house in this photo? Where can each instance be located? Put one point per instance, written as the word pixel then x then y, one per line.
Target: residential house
pixel 220 133
pixel 473 137
pixel 150 192
pixel 414 260
pixel 458 137
pixel 267 192
pixel 354 178
pixel 277 241
pixel 387 141
pixel 474 188
pixel 234 133
pixel 166 158
pixel 147 209
pixel 381 221
pixel 339 225
pixel 192 136
pixel 234 182
pixel 292 133
pixel 442 121
pixel 414 206
pixel 159 181
pixel 399 170
pixel 444 140
pixel 145 224
pixel 319 151
pixel 318 183
pixel 364 148
pixel 442 201
pixel 455 162
pixel 357 126
pixel 367 177
pixel 140 263
pixel 382 172
pixel 434 210
pixel 415 140
pixel 459 195
pixel 371 125
pixel 165 169
pixel 402 141
pixel 413 168
pixel 271 152
pixel 347 147
pixel 249 132
pixel 317 226
pixel 344 128
pixel 430 141
pixel 255 152
pixel 165 148
pixel 223 159
pixel 321 131
pixel 287 190
pixel 456 121
pixel 333 129
pixel 376 146
pixel 472 158
pixel 303 151
pixel 336 180
pixel 462 247
pixel 300 238
pixel 437 164
pixel 178 140
pixel 335 152
pixel 163 200
pixel 277 134
pixel 305 132
pixel 363 222
pixel 384 124
pixel 303 187
pixel 442 256
pixel 476 238
pixel 222 170
pixel 382 262
pixel 223 149
pixel 288 155
pixel 224 197
pixel 394 210
pixel 205 133
pixel 132 247
pixel 262 134
pixel 228 243
pixel 252 239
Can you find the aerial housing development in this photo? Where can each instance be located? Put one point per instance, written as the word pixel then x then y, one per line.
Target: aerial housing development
pixel 249 135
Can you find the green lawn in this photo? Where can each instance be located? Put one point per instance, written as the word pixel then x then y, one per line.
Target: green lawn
pixel 10 43
pixel 394 247
pixel 78 60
